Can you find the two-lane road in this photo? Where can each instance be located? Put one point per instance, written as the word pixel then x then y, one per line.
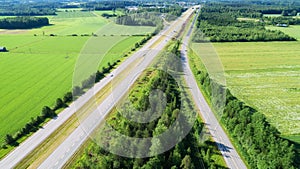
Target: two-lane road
pixel 232 158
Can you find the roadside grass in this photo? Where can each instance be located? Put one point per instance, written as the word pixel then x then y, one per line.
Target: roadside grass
pixel 265 76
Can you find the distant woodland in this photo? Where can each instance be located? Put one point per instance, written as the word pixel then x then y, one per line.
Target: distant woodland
pixel 23 22
pixel 220 23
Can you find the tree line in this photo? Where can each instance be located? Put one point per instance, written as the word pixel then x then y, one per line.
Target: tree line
pixel 110 5
pixel 15 8
pixel 139 19
pixel 174 10
pixel 282 20
pixel 23 22
pixel 258 142
pixel 190 153
pixel 254 8
pixel 219 25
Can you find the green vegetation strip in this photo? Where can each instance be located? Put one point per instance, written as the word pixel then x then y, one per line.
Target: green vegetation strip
pixel 189 153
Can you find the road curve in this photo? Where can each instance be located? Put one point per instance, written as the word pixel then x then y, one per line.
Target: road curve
pixel 230 155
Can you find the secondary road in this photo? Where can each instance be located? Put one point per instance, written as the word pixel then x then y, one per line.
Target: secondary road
pixel 66 150
pixel 232 158
pixel 149 50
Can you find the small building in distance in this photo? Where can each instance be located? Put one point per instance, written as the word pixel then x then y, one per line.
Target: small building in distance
pixel 3 49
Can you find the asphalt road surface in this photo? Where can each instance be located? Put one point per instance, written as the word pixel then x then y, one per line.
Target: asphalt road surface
pixel 232 158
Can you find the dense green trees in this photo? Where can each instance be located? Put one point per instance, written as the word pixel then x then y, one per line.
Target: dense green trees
pixel 9 139
pixel 23 22
pixel 139 19
pixel 110 5
pixel 260 142
pixel 192 152
pixel 174 10
pixel 220 24
pixel 282 20
pixel 21 11
pixel 32 8
pixel 254 8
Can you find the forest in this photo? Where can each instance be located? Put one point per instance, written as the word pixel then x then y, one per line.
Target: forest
pixel 190 153
pixel 23 22
pixel 174 10
pixel 12 8
pixel 282 20
pixel 258 142
pixel 220 24
pixel 139 19
pixel 150 16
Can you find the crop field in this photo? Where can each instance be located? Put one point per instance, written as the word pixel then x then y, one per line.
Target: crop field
pixel 39 69
pixel 265 75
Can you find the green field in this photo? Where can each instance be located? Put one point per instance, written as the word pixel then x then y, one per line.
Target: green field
pixel 265 76
pixel 39 69
pixel 292 30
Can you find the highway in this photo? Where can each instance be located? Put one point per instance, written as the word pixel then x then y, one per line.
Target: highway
pixel 230 155
pixel 74 141
pixel 66 150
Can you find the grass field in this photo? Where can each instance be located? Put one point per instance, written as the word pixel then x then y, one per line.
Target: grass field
pixel 265 76
pixel 38 69
pixel 292 30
